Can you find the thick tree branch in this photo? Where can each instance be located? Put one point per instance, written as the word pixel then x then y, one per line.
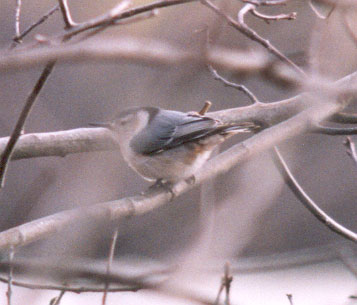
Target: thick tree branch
pixel 62 143
pixel 154 198
pixel 134 50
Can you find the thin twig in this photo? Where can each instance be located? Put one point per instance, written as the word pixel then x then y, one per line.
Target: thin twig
pixel 135 19
pixel 247 31
pixel 228 278
pixel 290 298
pixel 57 300
pixel 334 131
pixel 267 18
pixel 66 14
pixel 68 289
pixel 221 287
pixel 307 201
pixel 205 108
pixel 17 20
pixel 266 2
pixel 6 155
pixel 109 263
pixel 37 23
pixel 226 282
pixel 344 118
pixel 351 149
pixel 227 83
pixel 10 276
pixel 239 87
pixel 110 19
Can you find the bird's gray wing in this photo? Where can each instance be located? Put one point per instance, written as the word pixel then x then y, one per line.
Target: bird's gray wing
pixel 169 129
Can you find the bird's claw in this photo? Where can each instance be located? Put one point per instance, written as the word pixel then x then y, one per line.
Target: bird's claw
pixel 168 186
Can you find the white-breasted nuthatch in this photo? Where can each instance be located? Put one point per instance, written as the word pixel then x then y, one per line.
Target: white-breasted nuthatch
pixel 165 145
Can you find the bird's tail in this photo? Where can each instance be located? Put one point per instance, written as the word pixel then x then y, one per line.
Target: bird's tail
pixel 241 127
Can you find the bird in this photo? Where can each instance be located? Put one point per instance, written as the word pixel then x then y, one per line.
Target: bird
pixel 166 145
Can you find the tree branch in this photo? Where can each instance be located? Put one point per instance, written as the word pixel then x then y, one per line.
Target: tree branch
pixel 308 202
pixel 6 155
pixel 154 198
pixel 67 18
pixel 35 24
pixel 109 263
pixel 137 50
pixel 110 18
pixel 351 149
pixel 17 20
pixel 247 31
pixel 344 118
pixel 334 131
pixel 239 87
pixel 62 143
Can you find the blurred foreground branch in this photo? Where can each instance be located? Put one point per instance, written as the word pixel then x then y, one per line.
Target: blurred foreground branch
pixel 135 50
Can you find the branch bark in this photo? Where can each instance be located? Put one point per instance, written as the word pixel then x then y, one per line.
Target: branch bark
pixel 62 143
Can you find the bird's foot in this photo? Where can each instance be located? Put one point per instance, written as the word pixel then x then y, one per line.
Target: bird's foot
pixel 167 185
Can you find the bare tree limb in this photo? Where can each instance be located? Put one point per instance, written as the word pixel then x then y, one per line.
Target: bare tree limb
pixel 110 19
pixel 35 24
pixel 266 2
pixel 67 289
pixel 351 149
pixel 239 87
pixel 15 135
pixel 67 18
pixel 79 140
pixel 109 263
pixel 267 18
pixel 154 198
pixel 344 118
pixel 10 278
pixel 308 202
pixel 334 131
pixel 136 50
pixel 135 19
pixel 62 143
pixel 17 20
pixel 247 31
pixel 57 300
